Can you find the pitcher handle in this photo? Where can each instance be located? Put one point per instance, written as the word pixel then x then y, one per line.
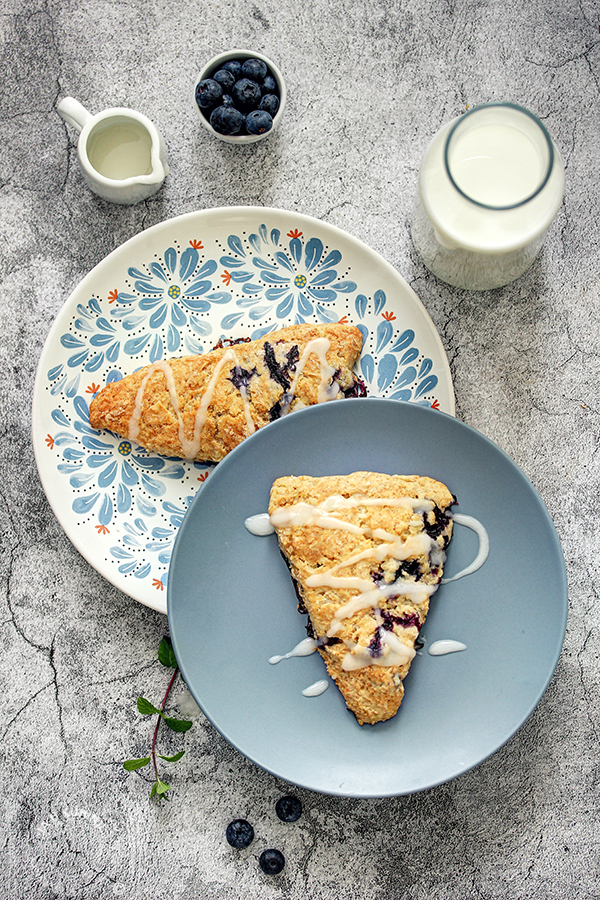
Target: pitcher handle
pixel 73 112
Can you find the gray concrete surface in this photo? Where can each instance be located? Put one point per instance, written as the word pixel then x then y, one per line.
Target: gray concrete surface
pixel 369 84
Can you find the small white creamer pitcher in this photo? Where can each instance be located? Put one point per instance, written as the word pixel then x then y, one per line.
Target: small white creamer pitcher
pixel 122 156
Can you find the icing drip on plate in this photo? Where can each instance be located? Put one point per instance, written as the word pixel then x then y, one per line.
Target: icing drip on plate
pixel 441 648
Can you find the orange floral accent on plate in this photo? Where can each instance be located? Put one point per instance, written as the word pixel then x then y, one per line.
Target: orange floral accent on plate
pixel 197 245
pixel 112 295
pixel 50 441
pixel 92 388
pixel 226 276
pixel 343 320
pixel 388 315
pixel 101 529
pixel 156 582
pixel 203 476
pixel 294 233
pixel 435 404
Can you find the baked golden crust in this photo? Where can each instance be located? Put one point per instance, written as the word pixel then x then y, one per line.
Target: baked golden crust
pixel 201 407
pixel 366 579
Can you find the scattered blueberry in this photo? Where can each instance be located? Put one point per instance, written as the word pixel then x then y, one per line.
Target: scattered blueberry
pixel 234 66
pixel 225 78
pixel 255 69
pixel 239 834
pixel 258 122
pixel 226 120
pixel 289 809
pixel 271 862
pixel 208 93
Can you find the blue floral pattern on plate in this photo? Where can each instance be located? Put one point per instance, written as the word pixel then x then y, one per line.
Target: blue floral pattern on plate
pixel 178 289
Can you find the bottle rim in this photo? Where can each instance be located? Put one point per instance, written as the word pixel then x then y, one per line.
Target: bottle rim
pixel 545 134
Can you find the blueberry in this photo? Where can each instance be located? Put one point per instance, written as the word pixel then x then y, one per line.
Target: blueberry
pixel 225 78
pixel 208 93
pixel 255 69
pixel 226 120
pixel 289 809
pixel 269 85
pixel 239 834
pixel 270 103
pixel 258 122
pixel 234 66
pixel 358 389
pixel 271 862
pixel 246 94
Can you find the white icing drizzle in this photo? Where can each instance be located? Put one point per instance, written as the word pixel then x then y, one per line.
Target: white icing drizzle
pixel 413 591
pixel 440 648
pixel 249 420
pixel 307 514
pixel 484 546
pixel 304 648
pixel 259 525
pixel 134 422
pixel 313 690
pixel 370 595
pixel 190 447
pixel 327 391
pixel 393 653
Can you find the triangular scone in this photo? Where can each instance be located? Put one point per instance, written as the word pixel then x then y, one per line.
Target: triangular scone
pixel 365 551
pixel 201 407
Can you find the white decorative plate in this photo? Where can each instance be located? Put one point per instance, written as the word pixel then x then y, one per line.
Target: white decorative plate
pixel 176 289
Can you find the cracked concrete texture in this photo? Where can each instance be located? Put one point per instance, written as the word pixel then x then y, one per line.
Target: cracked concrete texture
pixel 369 84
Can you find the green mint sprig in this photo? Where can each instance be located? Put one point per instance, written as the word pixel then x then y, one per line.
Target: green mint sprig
pixel 159 790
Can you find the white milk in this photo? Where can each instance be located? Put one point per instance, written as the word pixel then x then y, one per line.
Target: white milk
pixel 497 164
pixel 121 149
pixel 490 184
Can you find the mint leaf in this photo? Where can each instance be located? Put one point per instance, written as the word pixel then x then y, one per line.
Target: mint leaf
pixel 166 654
pixel 132 764
pixel 146 708
pixel 177 724
pixel 171 758
pixel 167 658
pixel 159 789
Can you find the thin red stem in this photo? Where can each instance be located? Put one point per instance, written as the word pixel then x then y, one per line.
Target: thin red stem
pixel 162 709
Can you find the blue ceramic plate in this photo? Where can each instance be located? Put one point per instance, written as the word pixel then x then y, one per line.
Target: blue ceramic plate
pixel 174 290
pixel 232 606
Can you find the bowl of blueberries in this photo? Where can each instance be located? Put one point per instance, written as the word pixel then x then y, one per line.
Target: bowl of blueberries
pixel 240 96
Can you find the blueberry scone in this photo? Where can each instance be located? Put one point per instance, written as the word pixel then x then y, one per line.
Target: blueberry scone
pixel 201 407
pixel 365 551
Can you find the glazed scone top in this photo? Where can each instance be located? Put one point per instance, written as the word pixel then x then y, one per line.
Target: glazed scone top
pixel 366 551
pixel 200 407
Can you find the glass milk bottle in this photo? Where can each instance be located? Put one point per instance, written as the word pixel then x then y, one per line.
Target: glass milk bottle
pixel 490 184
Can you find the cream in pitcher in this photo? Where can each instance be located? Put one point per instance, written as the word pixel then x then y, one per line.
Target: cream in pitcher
pixel 122 156
pixel 490 184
